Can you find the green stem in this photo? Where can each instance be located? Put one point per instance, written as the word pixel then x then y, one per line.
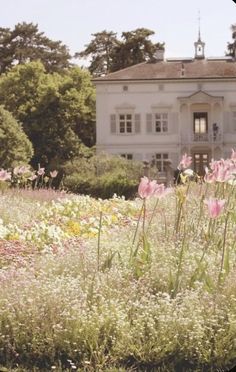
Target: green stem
pixel 223 247
pixel 153 212
pixel 139 218
pixel 99 241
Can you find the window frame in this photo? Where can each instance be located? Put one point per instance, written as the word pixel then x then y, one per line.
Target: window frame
pixel 160 158
pixel 199 116
pixel 160 118
pixel 126 123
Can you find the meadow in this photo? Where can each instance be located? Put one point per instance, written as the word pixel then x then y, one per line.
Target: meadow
pixel 120 285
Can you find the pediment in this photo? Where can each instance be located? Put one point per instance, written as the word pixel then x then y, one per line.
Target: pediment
pixel 201 97
pixel 125 106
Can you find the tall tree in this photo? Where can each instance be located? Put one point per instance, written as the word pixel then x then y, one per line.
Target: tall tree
pixel 109 54
pixel 101 50
pixel 49 106
pixel 232 46
pixel 136 47
pixel 25 43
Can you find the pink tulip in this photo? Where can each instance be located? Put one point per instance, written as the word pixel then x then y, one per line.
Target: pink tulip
pixel 161 190
pixel 21 170
pixel 146 188
pixel 33 177
pixel 41 171
pixel 185 162
pixel 4 175
pixel 54 173
pixel 233 155
pixel 215 206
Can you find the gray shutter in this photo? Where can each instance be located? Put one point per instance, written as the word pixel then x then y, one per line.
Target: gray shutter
pixel 149 123
pixel 113 123
pixel 137 123
pixel 173 122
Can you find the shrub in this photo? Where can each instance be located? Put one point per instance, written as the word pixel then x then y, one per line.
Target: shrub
pixel 103 176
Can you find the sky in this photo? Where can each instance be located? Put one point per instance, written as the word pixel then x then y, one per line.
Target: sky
pixel 174 22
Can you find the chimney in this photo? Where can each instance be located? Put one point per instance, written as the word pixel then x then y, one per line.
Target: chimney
pixel 159 54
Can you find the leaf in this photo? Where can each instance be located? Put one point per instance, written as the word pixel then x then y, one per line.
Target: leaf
pixel 226 262
pixel 107 264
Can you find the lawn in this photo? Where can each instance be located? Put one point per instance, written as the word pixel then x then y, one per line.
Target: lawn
pixel 113 285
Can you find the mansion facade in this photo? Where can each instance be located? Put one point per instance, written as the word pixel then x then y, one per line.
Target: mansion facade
pixel 159 110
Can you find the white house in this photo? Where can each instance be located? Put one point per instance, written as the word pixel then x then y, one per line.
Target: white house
pixel 159 110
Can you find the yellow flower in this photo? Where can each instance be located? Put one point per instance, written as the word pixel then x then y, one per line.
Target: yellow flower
pixel 73 227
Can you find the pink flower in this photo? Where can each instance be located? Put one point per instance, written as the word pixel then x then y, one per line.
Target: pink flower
pixel 146 188
pixel 54 173
pixel 185 162
pixel 41 171
pixel 233 155
pixel 21 170
pixel 161 190
pixel 4 175
pixel 32 178
pixel 215 206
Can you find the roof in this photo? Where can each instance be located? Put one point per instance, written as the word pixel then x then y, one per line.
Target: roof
pixel 175 69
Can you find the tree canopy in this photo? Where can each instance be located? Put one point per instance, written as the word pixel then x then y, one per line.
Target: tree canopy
pixel 51 108
pixel 25 43
pixel 109 54
pixel 232 45
pixel 15 147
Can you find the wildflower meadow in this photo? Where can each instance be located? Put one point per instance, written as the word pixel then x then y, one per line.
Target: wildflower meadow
pixel 147 284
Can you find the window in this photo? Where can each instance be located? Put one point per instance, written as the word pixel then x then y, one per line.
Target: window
pixel 161 122
pixel 125 123
pixel 127 156
pixel 160 161
pixel 200 122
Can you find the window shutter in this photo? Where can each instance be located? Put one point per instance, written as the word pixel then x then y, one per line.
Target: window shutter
pixel 173 122
pixel 137 123
pixel 113 123
pixel 149 123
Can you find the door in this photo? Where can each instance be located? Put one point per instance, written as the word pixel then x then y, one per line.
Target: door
pixel 200 126
pixel 201 160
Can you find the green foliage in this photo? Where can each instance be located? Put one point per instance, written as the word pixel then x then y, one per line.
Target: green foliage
pixel 25 43
pixel 15 147
pixel 101 49
pixel 103 176
pixel 232 45
pixel 57 111
pixel 109 54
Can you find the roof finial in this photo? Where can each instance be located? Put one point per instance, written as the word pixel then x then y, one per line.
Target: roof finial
pixel 199 26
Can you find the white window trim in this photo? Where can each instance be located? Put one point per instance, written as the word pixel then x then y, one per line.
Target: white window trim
pixel 154 119
pixel 161 160
pixel 125 114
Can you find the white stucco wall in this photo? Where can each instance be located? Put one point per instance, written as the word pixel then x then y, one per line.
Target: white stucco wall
pixel 141 98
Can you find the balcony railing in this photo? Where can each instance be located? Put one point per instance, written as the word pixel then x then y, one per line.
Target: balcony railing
pixel 201 138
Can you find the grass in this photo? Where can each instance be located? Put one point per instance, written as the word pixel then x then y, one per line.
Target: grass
pixel 77 294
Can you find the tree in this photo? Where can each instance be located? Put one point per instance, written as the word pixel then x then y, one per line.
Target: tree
pixel 232 46
pixel 136 47
pixel 50 107
pixel 15 147
pixel 25 43
pixel 101 50
pixel 108 54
